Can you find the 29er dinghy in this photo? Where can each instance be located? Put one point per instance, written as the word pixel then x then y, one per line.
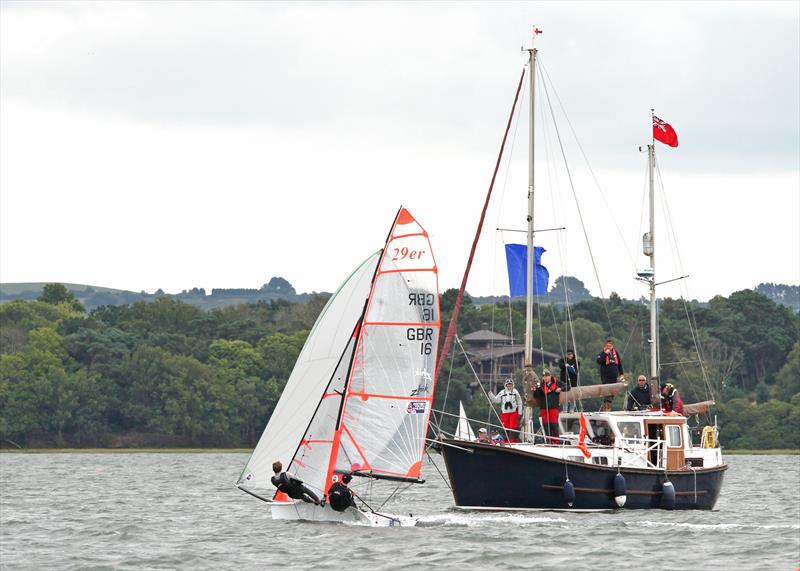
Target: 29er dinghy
pixel 359 398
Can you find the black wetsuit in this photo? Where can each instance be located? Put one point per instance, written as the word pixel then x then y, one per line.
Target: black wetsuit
pixel 294 488
pixel 340 497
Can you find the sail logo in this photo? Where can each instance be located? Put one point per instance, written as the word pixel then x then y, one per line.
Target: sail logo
pixel 416 406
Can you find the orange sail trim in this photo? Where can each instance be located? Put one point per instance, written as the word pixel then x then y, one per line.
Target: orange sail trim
pixel 403 324
pixel 404 271
pixel 404 217
pixel 397 397
pixel 366 465
pixel 409 235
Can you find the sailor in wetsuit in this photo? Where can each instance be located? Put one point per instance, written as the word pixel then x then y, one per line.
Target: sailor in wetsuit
pixel 291 486
pixel 340 497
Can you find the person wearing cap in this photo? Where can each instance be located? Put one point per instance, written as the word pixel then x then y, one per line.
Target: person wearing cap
pixel 510 403
pixel 340 497
pixel 639 396
pixel 671 399
pixel 611 371
pixel 483 436
pixel 549 393
pixel 569 367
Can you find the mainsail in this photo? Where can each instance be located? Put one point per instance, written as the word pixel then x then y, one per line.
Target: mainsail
pixel 359 398
pixel 389 393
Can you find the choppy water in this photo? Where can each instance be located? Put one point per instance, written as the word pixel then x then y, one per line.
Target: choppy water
pixel 181 511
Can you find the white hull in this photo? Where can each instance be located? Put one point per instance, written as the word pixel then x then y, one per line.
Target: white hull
pixel 304 511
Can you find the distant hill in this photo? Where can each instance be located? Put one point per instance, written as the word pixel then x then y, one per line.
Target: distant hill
pixel 94 296
pixel 782 294
pixel 279 288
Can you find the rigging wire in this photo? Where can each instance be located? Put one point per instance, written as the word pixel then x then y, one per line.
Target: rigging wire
pixel 688 310
pixel 445 480
pixel 586 160
pixel 492 409
pixel 572 187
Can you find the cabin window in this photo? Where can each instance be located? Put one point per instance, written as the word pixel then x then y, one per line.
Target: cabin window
pixel 571 426
pixel 602 432
pixel 576 459
pixel 600 460
pixel 674 439
pixel 630 429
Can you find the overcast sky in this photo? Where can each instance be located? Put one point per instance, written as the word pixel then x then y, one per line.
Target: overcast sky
pixel 179 145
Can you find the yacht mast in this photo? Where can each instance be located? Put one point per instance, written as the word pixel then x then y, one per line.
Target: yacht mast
pixel 529 267
pixel 648 244
pixel 529 377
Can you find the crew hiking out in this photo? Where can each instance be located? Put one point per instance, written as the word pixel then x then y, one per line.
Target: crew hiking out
pixel 292 486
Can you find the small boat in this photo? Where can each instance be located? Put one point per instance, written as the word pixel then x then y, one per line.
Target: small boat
pixel 359 398
pixel 599 460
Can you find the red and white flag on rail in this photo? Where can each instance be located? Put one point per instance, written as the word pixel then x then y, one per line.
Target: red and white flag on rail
pixel 663 131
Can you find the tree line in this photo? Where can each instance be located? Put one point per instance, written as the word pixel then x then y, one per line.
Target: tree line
pixel 165 372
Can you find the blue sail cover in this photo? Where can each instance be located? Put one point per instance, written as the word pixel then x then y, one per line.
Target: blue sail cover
pixel 517 261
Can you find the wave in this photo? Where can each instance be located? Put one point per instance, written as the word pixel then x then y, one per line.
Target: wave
pixel 483 519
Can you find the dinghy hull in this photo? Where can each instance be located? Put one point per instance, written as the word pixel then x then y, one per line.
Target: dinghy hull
pixel 303 511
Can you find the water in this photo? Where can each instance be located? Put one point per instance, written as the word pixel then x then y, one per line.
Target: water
pixel 181 511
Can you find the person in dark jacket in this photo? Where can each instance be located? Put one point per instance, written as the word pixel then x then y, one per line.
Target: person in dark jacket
pixel 639 396
pixel 548 393
pixel 292 486
pixel 611 371
pixel 340 497
pixel 569 367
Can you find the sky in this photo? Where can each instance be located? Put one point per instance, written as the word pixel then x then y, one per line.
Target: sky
pixel 179 145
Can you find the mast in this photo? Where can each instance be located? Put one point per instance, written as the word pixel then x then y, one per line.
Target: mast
pixel 529 377
pixel 529 266
pixel 648 246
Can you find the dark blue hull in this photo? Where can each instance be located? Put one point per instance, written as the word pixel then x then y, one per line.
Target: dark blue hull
pixel 499 477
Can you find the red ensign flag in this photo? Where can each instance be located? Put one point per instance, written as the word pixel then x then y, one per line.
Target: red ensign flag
pixel 663 131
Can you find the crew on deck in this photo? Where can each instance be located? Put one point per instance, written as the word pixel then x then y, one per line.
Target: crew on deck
pixel 610 362
pixel 292 486
pixel 671 399
pixel 340 497
pixel 639 396
pixel 510 408
pixel 569 366
pixel 547 393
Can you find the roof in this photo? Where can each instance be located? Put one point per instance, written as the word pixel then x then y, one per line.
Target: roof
pixel 499 351
pixel 484 335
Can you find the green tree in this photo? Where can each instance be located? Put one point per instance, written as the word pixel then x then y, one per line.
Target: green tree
pixel 56 294
pixel 787 381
